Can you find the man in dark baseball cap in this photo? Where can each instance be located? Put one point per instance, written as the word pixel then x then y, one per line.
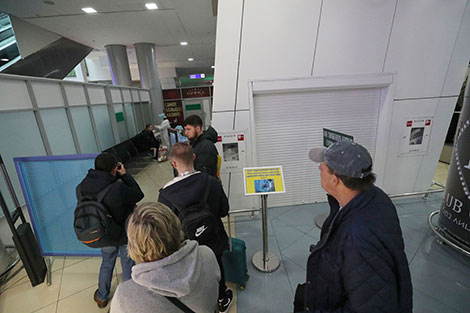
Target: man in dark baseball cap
pixel 359 264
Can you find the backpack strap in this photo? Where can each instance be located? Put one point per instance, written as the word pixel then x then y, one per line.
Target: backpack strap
pixel 179 304
pixel 206 193
pixel 99 197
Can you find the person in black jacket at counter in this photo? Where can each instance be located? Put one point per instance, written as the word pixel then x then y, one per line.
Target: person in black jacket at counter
pixel 120 200
pixel 202 143
pixel 359 264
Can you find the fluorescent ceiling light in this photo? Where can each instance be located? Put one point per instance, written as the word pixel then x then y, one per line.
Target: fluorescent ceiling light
pixel 5 60
pixel 89 10
pixel 151 6
pixel 183 43
pixel 190 59
pixel 213 66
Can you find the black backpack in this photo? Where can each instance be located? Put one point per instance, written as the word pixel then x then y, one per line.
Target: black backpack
pixel 93 224
pixel 200 224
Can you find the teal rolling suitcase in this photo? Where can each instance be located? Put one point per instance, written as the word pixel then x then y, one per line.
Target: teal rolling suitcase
pixel 234 260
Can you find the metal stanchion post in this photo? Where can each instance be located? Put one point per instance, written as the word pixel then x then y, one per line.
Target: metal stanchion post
pixel 264 260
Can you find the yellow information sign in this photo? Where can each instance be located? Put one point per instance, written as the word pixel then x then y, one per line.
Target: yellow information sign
pixel 263 180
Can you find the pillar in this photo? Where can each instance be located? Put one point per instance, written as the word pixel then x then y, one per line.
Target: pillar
pixel 119 65
pixel 149 78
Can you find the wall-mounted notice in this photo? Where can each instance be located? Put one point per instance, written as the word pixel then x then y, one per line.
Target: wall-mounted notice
pixel 415 136
pixel 231 147
pixel 332 136
pixel 263 180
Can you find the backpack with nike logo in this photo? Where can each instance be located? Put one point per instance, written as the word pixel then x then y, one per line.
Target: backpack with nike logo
pixel 200 224
pixel 93 223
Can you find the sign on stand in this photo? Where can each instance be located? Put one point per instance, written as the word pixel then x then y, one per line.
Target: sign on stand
pixel 262 181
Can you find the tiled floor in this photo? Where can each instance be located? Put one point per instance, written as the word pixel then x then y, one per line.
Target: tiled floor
pixel 441 277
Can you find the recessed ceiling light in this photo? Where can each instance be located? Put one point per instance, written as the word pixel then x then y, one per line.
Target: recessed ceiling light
pixel 213 66
pixel 183 43
pixel 5 60
pixel 89 10
pixel 190 59
pixel 49 2
pixel 151 6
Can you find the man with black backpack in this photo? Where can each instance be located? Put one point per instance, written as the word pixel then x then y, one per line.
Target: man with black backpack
pixel 107 188
pixel 200 202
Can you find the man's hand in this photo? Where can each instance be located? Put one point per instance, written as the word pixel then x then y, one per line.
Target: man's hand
pixel 121 171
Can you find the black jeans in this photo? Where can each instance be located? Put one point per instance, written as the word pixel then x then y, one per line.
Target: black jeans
pixel 222 287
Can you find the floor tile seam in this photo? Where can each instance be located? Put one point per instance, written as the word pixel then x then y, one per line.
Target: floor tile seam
pixel 285 256
pixel 419 246
pixel 16 283
pixel 430 260
pixel 437 299
pixel 60 288
pixel 76 292
pixel 45 306
pixel 305 234
pixel 287 274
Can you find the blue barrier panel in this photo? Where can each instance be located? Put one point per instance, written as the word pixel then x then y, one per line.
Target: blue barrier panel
pixel 48 185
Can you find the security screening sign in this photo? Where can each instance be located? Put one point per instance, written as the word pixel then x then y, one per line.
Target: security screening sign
pixel 332 136
pixel 263 180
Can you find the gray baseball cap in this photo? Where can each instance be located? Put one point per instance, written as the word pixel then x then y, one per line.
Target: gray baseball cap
pixel 347 158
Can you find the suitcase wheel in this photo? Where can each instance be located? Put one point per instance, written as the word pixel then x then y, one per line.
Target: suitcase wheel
pixel 242 287
pixel 247 277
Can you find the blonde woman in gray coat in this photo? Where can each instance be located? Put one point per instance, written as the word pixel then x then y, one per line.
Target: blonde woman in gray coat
pixel 167 266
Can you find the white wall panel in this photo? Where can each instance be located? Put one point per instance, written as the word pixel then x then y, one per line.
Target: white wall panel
pixel 428 167
pixel 401 171
pixel 460 58
pixel 14 95
pixel 353 36
pixel 48 94
pixel 96 95
pixel 222 121
pixel 423 37
pixel 75 94
pixel 144 96
pixel 237 198
pixel 127 95
pixel 227 54
pixel 116 95
pixel 277 43
pixel 135 95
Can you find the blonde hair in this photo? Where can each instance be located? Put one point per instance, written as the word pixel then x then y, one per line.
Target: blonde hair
pixel 154 232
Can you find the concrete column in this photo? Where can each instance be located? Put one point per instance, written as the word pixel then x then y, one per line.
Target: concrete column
pixel 148 70
pixel 119 65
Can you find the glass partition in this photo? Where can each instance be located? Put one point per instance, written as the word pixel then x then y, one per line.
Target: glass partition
pixel 103 126
pixel 84 129
pixel 58 131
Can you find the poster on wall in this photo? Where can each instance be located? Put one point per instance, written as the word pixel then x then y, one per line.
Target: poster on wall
pixel 231 146
pixel 174 112
pixel 415 136
pixel 263 180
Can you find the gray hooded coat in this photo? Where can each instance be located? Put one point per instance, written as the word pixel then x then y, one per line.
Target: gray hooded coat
pixel 190 274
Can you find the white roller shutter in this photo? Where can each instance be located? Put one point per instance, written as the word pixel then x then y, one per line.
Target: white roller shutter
pixel 287 125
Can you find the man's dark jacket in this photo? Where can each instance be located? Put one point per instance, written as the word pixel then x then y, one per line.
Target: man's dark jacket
pixel 359 264
pixel 146 140
pixel 190 190
pixel 205 151
pixel 120 199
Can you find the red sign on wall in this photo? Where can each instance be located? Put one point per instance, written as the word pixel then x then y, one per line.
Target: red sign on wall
pixel 196 92
pixel 174 111
pixel 171 94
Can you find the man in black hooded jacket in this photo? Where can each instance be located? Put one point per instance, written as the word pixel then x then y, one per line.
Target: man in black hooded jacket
pixel 188 188
pixel 120 200
pixel 202 143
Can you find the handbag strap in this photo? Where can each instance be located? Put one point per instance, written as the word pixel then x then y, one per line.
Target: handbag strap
pixel 179 304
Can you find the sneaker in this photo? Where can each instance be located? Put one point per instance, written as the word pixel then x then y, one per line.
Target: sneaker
pixel 101 304
pixel 225 303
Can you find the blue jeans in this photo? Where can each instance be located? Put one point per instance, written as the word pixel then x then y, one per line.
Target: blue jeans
pixel 109 255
